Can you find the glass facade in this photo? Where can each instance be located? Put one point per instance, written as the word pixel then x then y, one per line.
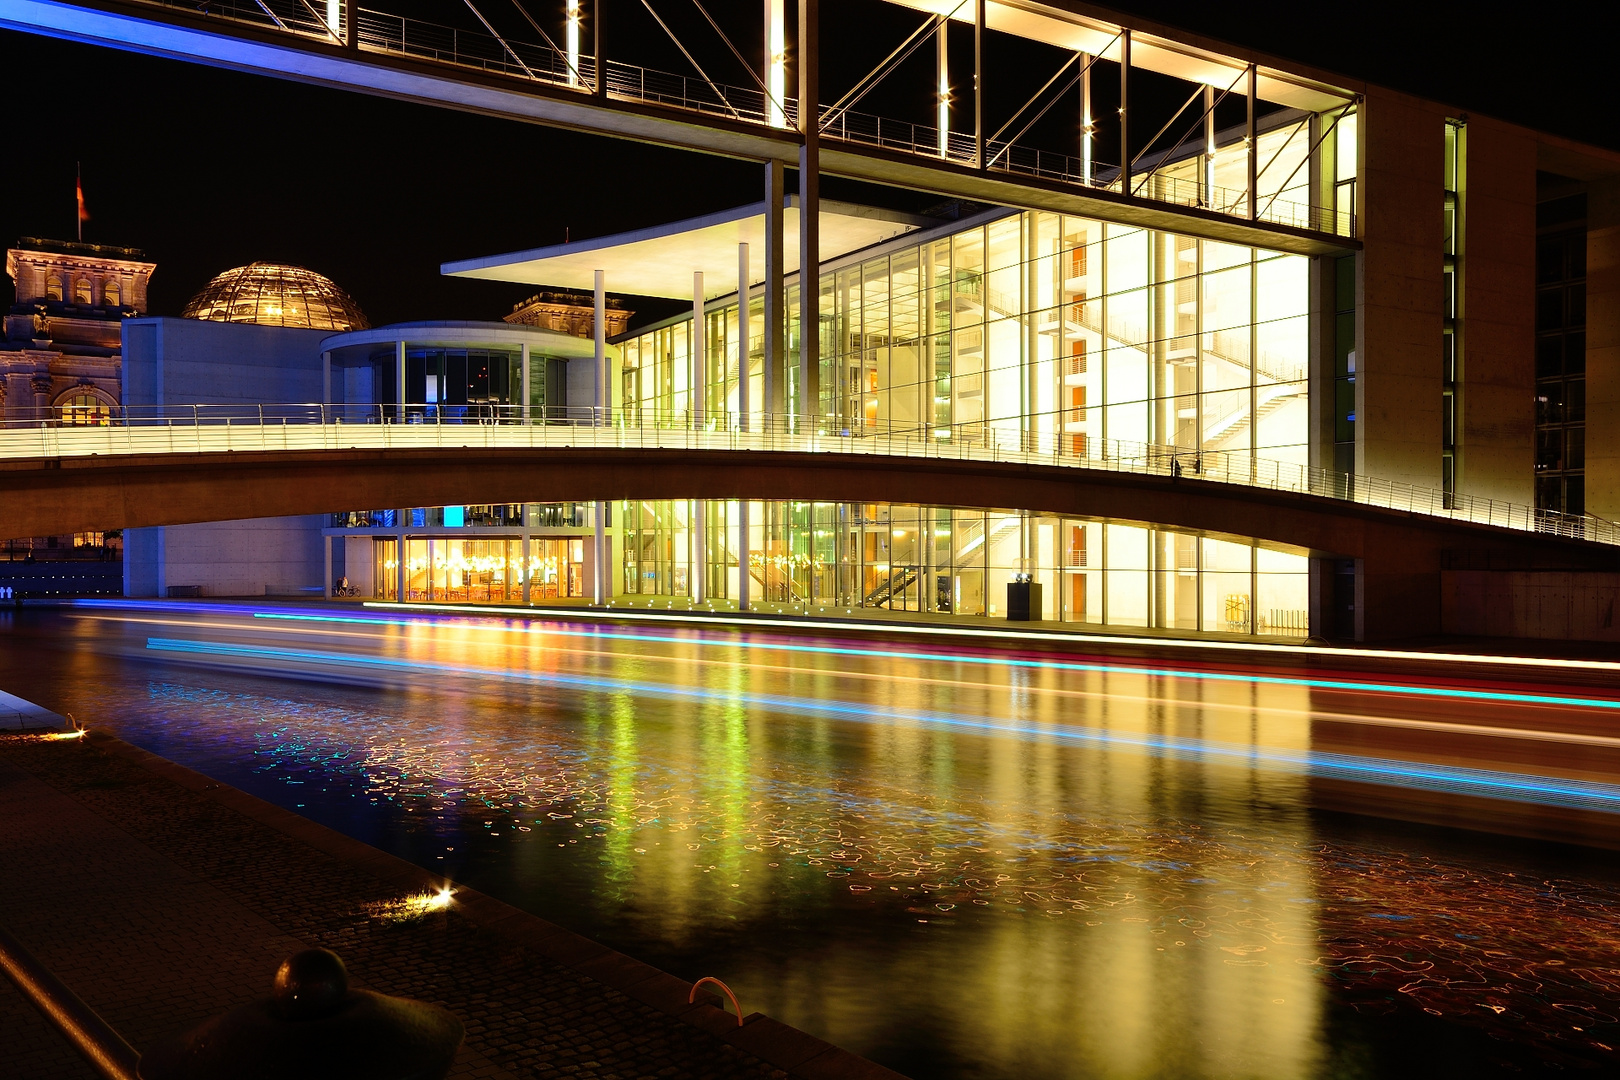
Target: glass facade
pixel 829 558
pixel 1560 462
pixel 1035 330
pixel 472 569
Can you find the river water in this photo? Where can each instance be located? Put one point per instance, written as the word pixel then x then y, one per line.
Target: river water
pixel 959 862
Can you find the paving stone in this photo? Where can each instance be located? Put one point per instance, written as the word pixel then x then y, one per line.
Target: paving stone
pixel 160 906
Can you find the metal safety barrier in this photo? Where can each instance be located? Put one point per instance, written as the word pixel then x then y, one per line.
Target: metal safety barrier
pixel 91 1036
pixel 190 429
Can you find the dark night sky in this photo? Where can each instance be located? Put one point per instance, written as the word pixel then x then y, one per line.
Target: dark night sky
pixel 208 169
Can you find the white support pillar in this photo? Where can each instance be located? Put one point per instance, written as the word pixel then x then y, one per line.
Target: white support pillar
pixel 1124 112
pixel 745 572
pixel 776 62
pixel 809 216
pixel 1208 172
pixel 1252 148
pixel 943 106
pixel 572 42
pixel 603 396
pixel 696 528
pixel 1088 124
pixel 775 297
pixel 697 366
pixel 978 85
pixel 326 544
pixel 399 376
pixel 524 387
pixel 326 381
pixel 600 574
pixel 742 336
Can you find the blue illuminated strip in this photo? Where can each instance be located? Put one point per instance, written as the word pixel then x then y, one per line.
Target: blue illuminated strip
pixel 1046 665
pixel 1516 787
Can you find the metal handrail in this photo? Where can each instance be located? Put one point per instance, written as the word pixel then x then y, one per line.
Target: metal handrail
pixel 94 1039
pixel 219 428
pixel 488 52
pixel 692 997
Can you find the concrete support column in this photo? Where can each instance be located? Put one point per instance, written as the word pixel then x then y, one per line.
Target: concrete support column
pixel 602 399
pixel 1321 346
pixel 399 377
pixel 809 215
pixel 326 381
pixel 400 574
pixel 697 365
pixel 745 574
pixel 326 546
pixel 1400 302
pixel 775 308
pixel 600 576
pixel 1495 330
pixel 1319 598
pixel 742 336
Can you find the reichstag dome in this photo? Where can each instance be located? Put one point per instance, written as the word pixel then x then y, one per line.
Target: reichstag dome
pixel 270 294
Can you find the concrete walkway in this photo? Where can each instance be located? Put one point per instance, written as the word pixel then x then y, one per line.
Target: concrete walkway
pixel 163 898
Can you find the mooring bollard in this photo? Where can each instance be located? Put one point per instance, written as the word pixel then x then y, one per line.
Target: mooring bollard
pixel 315 1028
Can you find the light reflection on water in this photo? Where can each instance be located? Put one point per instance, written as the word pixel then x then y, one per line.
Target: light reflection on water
pixel 954 900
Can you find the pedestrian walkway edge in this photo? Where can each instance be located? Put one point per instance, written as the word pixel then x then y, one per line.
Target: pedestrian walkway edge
pixel 795 1052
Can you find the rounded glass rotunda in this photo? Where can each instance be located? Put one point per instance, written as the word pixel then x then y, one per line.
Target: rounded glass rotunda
pixel 270 294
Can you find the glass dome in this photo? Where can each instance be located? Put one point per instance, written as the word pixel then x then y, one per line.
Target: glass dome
pixel 270 294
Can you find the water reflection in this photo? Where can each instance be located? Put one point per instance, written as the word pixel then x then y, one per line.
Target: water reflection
pixel 960 866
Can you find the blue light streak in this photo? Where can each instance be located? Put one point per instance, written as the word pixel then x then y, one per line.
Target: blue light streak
pixel 1516 787
pixel 1447 693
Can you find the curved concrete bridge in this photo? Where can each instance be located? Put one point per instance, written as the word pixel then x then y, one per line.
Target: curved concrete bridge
pixel 57 479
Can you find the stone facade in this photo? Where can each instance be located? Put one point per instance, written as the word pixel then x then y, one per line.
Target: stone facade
pixel 569 313
pixel 61 348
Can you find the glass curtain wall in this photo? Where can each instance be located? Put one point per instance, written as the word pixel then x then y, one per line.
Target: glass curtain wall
pixel 832 557
pixel 456 569
pixel 1039 331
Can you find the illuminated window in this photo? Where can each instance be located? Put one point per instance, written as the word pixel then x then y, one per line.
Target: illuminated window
pixel 81 291
pixel 111 295
pixel 53 288
pixel 84 408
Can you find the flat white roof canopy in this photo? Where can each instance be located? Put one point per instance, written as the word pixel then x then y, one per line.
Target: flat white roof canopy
pixel 661 261
pixel 461 334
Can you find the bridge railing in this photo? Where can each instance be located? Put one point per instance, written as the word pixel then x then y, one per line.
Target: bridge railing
pixel 419 39
pixel 171 429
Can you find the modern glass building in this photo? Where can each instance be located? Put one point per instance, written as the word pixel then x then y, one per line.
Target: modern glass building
pixel 1036 331
pixel 456 373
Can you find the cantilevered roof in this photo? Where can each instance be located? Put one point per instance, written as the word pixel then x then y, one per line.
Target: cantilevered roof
pixel 660 261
